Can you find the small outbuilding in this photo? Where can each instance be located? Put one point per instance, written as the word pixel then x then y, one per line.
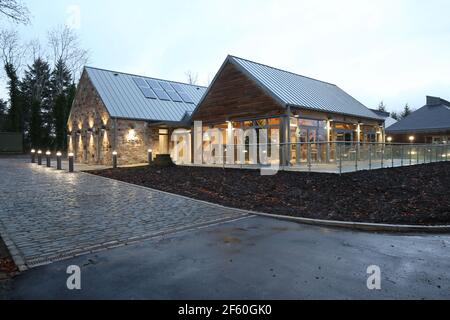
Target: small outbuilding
pixel 129 114
pixel 429 124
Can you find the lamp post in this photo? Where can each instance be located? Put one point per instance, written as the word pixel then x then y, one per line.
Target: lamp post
pixel 150 156
pixel 58 161
pixel 389 140
pixel 411 141
pixel 33 156
pixel 114 154
pixel 47 156
pixel 71 156
pixel 39 153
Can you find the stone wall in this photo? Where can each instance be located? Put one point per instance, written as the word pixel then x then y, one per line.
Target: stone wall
pixel 94 135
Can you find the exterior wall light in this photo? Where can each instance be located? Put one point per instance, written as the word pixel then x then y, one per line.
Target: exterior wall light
pixel 389 139
pixel 411 139
pixel 131 137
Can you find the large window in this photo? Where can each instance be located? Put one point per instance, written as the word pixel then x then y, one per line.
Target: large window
pixel 310 130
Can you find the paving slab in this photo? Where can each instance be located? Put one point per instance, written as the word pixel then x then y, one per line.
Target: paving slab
pixel 48 215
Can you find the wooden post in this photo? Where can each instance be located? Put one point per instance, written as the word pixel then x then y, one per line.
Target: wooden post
pixel 288 146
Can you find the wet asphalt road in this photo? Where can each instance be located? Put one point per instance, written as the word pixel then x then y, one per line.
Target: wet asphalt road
pixel 252 258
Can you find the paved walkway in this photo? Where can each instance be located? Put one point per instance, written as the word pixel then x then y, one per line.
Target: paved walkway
pixel 46 215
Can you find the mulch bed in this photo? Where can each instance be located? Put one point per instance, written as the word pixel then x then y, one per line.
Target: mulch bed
pixel 416 195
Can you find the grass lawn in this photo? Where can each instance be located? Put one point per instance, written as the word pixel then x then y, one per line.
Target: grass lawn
pixel 417 195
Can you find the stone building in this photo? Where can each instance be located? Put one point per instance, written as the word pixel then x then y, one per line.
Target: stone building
pixel 130 114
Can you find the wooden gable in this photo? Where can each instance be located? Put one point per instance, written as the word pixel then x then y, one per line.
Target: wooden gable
pixel 235 96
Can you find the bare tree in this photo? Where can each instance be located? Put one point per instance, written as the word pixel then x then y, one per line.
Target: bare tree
pixel 65 46
pixel 11 49
pixel 192 78
pixel 15 11
pixel 35 51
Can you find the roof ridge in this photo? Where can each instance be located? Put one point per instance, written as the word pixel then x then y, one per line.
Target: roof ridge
pixel 137 75
pixel 282 70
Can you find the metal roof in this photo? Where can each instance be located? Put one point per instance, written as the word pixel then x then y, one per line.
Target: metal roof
pixel 300 91
pixel 388 120
pixel 427 118
pixel 123 98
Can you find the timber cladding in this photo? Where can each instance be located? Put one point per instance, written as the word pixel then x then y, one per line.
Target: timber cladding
pixel 234 96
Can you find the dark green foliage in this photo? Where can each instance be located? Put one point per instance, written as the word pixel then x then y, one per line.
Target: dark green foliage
pixel 406 112
pixel 16 114
pixel 394 115
pixel 36 88
pixel 62 95
pixel 3 115
pixel 382 107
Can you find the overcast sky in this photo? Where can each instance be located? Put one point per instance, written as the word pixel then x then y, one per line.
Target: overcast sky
pixel 395 51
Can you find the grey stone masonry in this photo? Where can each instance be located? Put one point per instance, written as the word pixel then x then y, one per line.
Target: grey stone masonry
pixel 48 215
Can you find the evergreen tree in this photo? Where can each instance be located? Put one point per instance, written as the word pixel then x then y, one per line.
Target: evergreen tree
pixel 37 94
pixel 3 114
pixel 3 107
pixel 406 112
pixel 16 110
pixel 382 107
pixel 394 115
pixel 35 131
pixel 61 82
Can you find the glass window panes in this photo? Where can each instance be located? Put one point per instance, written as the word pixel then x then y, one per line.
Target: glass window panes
pixel 153 84
pixel 166 86
pixel 274 121
pixel 140 82
pixel 186 98
pixel 261 123
pixel 178 87
pixel 148 93
pixel 174 96
pixel 162 95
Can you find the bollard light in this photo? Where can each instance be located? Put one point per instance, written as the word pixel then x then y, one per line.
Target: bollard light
pixel 39 157
pixel 33 156
pixel 150 156
pixel 58 161
pixel 114 154
pixel 47 156
pixel 71 156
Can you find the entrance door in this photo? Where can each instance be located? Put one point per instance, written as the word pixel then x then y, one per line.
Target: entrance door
pixel 164 141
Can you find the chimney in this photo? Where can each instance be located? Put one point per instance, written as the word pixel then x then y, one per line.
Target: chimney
pixel 433 101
